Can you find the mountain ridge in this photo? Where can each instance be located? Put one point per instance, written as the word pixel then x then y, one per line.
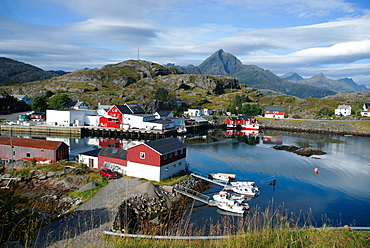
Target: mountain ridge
pixel 226 64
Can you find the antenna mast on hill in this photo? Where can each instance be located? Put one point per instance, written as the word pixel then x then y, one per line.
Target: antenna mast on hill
pixel 138 54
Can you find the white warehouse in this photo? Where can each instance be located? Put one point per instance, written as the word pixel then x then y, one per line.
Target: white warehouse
pixel 71 117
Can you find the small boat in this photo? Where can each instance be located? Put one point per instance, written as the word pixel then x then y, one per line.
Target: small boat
pixel 182 130
pixel 224 196
pixel 223 177
pixel 244 190
pixel 245 183
pixel 233 207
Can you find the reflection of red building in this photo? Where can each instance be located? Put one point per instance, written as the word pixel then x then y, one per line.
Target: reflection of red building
pixel 110 143
pixel 272 140
pixel 234 133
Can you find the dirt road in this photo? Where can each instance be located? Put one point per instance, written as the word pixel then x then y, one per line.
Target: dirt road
pixel 84 227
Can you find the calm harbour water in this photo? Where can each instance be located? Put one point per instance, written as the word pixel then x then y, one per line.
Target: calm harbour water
pixel 338 195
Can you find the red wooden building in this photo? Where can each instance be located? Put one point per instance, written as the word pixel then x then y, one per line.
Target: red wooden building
pixel 38 115
pixel 153 160
pixel 274 112
pixel 29 149
pixel 114 117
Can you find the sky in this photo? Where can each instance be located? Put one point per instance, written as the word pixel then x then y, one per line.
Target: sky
pixel 306 37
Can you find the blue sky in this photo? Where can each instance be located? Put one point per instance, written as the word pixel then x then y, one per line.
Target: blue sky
pixel 307 37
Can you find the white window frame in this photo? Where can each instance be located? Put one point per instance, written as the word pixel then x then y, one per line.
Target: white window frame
pixel 142 155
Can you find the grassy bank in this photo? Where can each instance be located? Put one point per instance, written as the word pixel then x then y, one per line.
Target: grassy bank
pixel 263 238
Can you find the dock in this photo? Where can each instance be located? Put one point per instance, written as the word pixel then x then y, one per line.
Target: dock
pixel 80 132
pixel 223 184
pixel 195 195
pixel 41 129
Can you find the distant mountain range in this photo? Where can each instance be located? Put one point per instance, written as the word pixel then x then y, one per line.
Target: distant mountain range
pixel 344 85
pixel 226 64
pixel 219 63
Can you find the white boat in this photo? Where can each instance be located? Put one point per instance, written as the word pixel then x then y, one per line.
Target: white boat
pixel 182 130
pixel 233 207
pixel 224 196
pixel 245 183
pixel 224 177
pixel 244 190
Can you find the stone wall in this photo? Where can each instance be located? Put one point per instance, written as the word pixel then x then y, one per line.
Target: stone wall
pixel 330 127
pixel 153 209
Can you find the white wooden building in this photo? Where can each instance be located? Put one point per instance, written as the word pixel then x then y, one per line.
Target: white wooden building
pixel 344 110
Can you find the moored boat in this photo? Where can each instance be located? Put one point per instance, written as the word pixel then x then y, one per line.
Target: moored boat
pixel 244 190
pixel 224 196
pixel 233 207
pixel 182 130
pixel 224 177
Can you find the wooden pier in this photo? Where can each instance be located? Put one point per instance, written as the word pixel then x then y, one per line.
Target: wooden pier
pixel 79 132
pixel 223 184
pixel 195 195
pixel 115 133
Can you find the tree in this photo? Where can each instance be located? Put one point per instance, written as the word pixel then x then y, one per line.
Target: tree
pixel 165 96
pixel 39 104
pixel 59 101
pixel 251 109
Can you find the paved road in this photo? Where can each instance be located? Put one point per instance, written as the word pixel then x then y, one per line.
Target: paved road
pixel 84 227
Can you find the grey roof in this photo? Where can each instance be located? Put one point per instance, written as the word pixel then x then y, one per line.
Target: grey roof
pixel 198 119
pixel 113 153
pixel 274 108
pixel 163 112
pixel 162 121
pixel 92 153
pixel 131 108
pixel 166 145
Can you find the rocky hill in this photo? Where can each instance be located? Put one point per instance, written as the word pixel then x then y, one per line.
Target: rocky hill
pixel 132 81
pixel 15 72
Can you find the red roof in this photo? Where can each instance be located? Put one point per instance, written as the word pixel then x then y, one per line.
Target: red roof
pixel 34 143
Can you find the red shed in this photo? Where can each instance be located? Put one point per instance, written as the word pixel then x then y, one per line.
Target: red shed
pixel 29 149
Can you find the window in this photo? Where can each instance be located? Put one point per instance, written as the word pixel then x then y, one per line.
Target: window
pixel 28 155
pixel 170 155
pixel 174 165
pixel 166 169
pixel 142 155
pixel 165 157
pixel 179 163
pixel 181 151
pixel 175 153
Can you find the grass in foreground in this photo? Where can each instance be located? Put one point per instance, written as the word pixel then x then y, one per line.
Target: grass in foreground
pixel 263 238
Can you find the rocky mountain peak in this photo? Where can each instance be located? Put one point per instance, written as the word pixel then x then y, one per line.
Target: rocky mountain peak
pixel 221 63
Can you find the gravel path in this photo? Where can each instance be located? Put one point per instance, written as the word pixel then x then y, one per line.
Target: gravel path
pixel 84 227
